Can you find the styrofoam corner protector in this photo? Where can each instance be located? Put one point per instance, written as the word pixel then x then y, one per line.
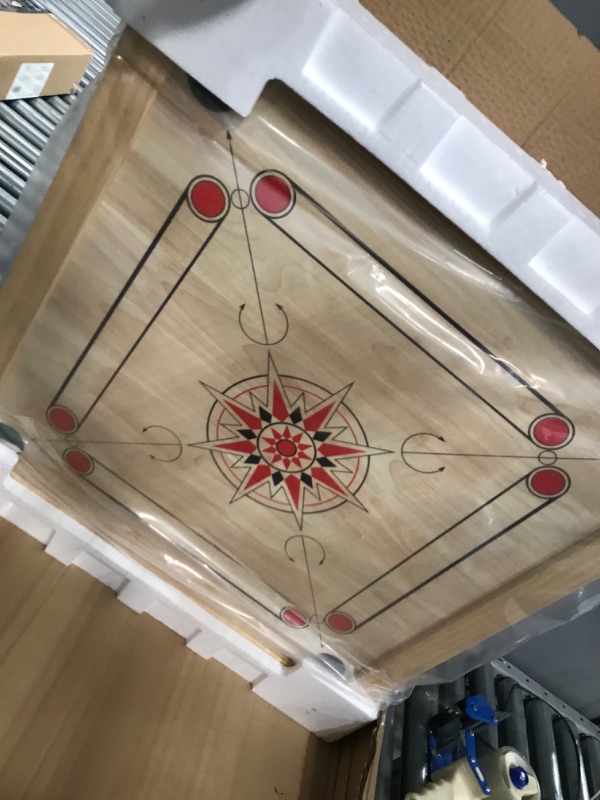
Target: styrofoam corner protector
pixel 310 693
pixel 349 66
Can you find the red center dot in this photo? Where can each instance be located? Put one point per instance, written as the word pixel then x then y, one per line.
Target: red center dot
pixel 548 482
pixel 551 431
pixel 79 461
pixel 286 448
pixel 273 195
pixel 340 622
pixel 294 618
pixel 62 419
pixel 208 198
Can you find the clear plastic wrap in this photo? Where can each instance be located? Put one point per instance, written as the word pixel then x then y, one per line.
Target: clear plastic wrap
pixel 270 372
pixel 501 644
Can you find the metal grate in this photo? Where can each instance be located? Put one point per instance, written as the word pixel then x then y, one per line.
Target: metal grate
pixel 26 125
pixel 561 744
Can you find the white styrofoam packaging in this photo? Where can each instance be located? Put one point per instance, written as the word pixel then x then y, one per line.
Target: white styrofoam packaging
pixel 310 693
pixel 355 71
pixel 351 68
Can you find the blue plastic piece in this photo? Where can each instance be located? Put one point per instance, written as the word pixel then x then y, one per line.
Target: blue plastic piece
pixel 478 709
pixel 474 764
pixel 477 712
pixel 437 760
pixel 518 777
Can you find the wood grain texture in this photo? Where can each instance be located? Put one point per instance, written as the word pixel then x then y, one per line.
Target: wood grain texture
pixel 100 702
pixel 524 66
pixel 73 193
pixel 565 573
pixel 437 363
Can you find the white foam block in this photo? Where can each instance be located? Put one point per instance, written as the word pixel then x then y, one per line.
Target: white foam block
pixel 327 707
pixel 357 73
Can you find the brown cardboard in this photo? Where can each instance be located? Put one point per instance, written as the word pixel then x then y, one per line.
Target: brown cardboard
pixel 98 701
pixel 38 38
pixel 524 66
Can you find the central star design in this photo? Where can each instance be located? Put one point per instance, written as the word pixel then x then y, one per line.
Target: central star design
pixel 287 445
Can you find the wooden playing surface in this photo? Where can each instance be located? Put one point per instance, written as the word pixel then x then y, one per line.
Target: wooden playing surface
pixel 272 373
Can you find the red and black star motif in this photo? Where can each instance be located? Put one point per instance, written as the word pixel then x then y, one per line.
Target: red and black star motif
pixel 298 449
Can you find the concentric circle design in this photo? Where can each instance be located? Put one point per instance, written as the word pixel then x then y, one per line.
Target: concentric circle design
pixel 551 431
pixel 339 622
pixel 294 617
pixel 273 194
pixel 208 198
pixel 79 461
pixel 62 419
pixel 548 482
pixel 287 447
pixel 247 392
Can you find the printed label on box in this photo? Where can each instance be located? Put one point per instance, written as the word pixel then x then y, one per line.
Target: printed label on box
pixel 29 80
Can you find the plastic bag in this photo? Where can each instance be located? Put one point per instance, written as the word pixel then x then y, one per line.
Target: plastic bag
pixel 269 371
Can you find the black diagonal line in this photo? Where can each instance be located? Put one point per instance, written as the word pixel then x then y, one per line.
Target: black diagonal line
pixel 165 510
pixel 406 452
pixel 152 320
pixel 421 295
pixel 492 455
pixel 428 544
pixel 312 589
pixel 192 530
pixel 464 455
pixel 397 328
pixel 456 562
pixel 98 441
pixel 579 458
pixel 119 297
pixel 251 256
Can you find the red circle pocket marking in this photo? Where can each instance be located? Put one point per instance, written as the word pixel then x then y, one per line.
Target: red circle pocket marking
pixel 548 482
pixel 285 447
pixel 551 431
pixel 339 622
pixel 208 199
pixel 273 194
pixel 62 419
pixel 294 618
pixel 78 461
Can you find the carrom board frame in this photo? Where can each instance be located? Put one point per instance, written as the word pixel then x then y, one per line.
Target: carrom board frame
pixel 586 545
pixel 554 481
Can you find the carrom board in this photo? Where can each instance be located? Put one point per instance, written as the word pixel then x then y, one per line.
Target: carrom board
pixel 272 373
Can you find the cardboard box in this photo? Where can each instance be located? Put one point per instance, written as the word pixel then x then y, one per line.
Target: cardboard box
pixel 525 66
pixel 38 54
